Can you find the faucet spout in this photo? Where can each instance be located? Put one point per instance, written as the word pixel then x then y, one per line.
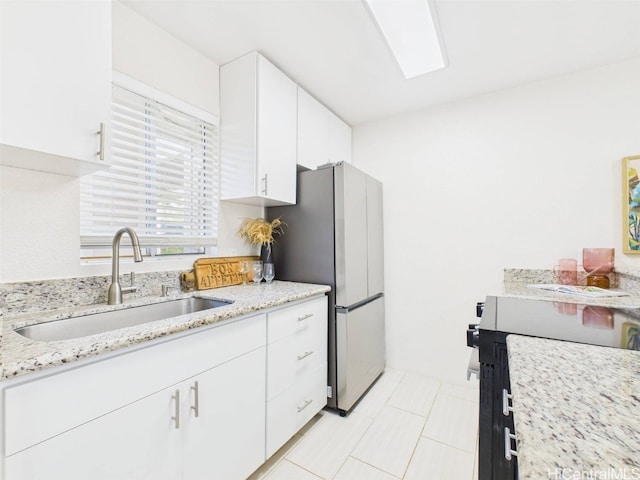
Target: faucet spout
pixel 115 290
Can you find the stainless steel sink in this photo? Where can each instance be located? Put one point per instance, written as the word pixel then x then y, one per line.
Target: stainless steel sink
pixel 85 325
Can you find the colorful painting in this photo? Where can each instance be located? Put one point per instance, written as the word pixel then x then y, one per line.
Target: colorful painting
pixel 630 336
pixel 631 204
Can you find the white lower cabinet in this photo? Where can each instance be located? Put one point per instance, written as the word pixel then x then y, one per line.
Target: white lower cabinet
pixel 200 406
pixel 296 369
pixel 137 442
pixel 209 424
pixel 226 439
pixel 291 410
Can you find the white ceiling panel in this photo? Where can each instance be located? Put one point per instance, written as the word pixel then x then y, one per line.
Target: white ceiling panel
pixel 333 49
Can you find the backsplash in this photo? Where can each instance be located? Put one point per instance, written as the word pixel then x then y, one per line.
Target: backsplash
pixel 47 295
pixel 623 278
pixel 628 279
pixel 521 275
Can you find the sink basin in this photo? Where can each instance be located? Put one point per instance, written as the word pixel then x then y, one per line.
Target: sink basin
pixel 85 325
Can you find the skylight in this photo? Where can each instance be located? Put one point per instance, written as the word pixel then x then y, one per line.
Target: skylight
pixel 410 29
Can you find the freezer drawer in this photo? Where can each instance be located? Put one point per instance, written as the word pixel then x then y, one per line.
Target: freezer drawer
pixel 360 350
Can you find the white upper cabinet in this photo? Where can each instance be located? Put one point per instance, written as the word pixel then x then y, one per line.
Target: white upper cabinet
pixel 322 136
pixel 313 131
pixel 55 85
pixel 339 140
pixel 258 128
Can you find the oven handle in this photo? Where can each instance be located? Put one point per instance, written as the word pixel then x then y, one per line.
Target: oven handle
pixel 508 452
pixel 506 396
pixel 473 368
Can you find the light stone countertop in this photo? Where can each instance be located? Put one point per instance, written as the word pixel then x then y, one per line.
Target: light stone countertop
pixel 576 409
pixel 521 290
pixel 20 356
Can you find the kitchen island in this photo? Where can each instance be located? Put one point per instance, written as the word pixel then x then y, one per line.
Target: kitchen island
pixel 575 409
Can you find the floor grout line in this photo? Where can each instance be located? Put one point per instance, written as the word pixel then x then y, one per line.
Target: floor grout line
pixel 284 459
pixel 393 390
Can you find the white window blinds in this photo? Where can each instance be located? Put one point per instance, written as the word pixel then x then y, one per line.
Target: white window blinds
pixel 163 180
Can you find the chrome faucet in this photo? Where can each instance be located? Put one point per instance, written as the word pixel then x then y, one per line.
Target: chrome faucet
pixel 115 290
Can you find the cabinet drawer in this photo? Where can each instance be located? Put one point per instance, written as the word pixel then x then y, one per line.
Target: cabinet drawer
pixel 47 406
pixel 290 411
pixel 296 319
pixel 292 358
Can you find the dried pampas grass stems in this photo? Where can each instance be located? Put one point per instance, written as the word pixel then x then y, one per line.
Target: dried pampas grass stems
pixel 260 232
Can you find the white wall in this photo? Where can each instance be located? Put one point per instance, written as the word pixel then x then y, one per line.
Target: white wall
pixel 147 53
pixel 518 178
pixel 39 212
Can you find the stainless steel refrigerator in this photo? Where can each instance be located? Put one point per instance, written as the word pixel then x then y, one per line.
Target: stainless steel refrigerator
pixel 334 236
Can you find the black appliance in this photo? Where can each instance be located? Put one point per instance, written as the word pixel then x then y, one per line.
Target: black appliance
pixel 501 316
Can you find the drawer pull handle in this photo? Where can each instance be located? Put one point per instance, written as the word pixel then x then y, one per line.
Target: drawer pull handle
pixel 508 452
pixel 196 401
pixel 304 317
pixel 506 396
pixel 264 189
pixel 306 404
pixel 102 135
pixel 176 397
pixel 305 355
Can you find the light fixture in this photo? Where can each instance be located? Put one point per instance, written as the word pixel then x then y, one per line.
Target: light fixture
pixel 411 31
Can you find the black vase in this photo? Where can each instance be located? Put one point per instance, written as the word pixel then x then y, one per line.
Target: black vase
pixel 266 255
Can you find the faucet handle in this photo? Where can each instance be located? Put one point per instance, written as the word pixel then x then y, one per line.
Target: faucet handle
pixel 132 288
pixel 166 288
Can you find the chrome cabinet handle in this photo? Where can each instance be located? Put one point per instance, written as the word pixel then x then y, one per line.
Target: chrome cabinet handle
pixel 508 452
pixel 305 355
pixel 264 188
pixel 102 137
pixel 196 402
pixel 304 317
pixel 306 404
pixel 506 396
pixel 176 397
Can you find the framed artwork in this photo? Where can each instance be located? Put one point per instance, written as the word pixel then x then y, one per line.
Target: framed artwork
pixel 630 336
pixel 631 204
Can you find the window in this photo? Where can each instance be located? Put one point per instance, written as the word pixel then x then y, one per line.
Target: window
pixel 163 181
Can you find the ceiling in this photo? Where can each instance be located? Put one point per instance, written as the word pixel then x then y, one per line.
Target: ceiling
pixel 333 49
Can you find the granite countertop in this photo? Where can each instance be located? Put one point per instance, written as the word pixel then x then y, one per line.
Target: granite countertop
pixel 522 290
pixel 576 409
pixel 21 356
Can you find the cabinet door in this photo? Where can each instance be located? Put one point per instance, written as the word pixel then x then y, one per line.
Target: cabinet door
pixel 277 134
pixel 293 408
pixel 258 133
pixel 297 344
pixel 296 369
pixel 339 139
pixel 313 131
pixel 55 83
pixel 227 438
pixel 139 442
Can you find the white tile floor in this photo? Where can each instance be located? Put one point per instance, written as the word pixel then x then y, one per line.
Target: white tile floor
pixel 407 427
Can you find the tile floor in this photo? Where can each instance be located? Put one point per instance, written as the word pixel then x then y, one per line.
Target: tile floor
pixel 408 427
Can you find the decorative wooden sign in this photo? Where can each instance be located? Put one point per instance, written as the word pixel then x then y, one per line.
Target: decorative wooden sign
pixel 221 271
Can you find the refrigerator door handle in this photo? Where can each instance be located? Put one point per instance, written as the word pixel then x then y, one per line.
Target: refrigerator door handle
pixel 357 305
